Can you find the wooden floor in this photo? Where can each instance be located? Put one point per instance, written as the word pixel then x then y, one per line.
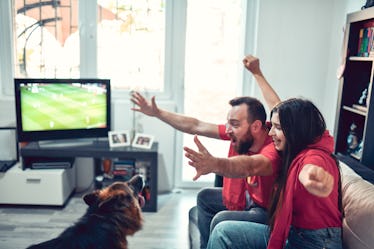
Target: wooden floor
pixel 21 226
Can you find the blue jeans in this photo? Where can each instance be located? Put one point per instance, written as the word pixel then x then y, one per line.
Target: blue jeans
pixel 211 211
pixel 241 234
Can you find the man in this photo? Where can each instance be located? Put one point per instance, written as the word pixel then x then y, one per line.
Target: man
pixel 247 130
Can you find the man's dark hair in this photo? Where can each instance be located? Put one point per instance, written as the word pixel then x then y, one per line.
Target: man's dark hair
pixel 255 109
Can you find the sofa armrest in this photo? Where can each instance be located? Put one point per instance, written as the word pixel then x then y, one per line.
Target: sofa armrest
pixel 358 204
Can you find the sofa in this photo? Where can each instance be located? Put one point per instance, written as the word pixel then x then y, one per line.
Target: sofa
pixel 358 204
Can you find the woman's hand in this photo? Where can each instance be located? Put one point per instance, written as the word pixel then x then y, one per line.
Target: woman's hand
pixel 252 64
pixel 316 180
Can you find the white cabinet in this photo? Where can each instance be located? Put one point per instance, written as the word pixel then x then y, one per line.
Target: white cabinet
pixel 36 186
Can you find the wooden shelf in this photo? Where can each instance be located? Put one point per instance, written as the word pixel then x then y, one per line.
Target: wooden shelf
pixel 358 77
pixel 354 110
pixel 359 58
pixel 355 156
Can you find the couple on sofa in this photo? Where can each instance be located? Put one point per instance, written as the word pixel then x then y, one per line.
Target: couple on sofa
pixel 304 207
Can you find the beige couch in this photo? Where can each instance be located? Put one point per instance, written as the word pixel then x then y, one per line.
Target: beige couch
pixel 358 203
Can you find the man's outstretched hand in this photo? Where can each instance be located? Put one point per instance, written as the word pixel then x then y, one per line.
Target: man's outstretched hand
pixel 201 160
pixel 143 105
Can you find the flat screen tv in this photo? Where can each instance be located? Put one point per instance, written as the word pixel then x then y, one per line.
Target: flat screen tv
pixel 55 109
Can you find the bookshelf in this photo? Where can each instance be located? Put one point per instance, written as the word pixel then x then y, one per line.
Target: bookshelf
pixel 122 169
pixel 354 131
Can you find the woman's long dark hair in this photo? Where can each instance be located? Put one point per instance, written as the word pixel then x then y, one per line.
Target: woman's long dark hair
pixel 302 124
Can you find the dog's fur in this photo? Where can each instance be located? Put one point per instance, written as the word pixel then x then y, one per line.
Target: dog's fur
pixel 113 213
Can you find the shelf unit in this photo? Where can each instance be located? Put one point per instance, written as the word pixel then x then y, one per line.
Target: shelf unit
pixel 100 150
pixel 129 167
pixel 358 76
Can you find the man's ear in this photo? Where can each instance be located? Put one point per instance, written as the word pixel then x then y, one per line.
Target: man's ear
pixel 256 126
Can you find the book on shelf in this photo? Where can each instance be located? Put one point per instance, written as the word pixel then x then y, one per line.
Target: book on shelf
pixel 123 169
pixel 366 41
pixel 360 38
pixel 371 42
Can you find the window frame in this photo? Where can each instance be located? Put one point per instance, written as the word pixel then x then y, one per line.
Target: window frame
pixel 6 48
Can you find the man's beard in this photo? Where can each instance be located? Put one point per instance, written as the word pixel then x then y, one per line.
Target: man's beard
pixel 243 145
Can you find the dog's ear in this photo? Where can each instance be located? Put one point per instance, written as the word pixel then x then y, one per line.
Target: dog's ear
pixel 136 183
pixel 91 198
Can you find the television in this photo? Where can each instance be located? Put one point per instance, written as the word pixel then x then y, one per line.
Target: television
pixel 60 109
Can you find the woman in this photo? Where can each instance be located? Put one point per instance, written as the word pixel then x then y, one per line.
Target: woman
pixel 306 207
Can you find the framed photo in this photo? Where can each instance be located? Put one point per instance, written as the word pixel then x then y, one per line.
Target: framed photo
pixel 119 138
pixel 143 141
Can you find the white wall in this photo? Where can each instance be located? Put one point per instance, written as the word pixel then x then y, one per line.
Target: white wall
pixel 7 111
pixel 294 44
pixel 335 56
pixel 299 43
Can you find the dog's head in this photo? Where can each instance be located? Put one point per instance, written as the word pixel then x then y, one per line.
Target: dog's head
pixel 119 203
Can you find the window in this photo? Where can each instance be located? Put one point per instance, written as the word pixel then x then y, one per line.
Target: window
pixel 131 38
pixel 190 48
pixel 212 68
pixel 130 41
pixel 47 38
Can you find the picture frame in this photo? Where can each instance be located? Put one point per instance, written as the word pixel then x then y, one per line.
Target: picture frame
pixel 119 138
pixel 143 141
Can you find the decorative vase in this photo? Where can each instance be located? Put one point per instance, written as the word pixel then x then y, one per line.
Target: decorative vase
pixel 352 139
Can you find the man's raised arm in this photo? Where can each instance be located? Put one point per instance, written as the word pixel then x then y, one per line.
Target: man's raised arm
pixel 178 121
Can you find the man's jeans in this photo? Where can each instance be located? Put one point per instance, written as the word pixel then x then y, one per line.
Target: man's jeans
pixel 211 211
pixel 249 235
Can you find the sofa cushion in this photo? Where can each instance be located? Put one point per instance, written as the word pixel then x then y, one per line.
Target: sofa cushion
pixel 358 204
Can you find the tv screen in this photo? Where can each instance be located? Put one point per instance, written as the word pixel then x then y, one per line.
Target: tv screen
pixel 50 109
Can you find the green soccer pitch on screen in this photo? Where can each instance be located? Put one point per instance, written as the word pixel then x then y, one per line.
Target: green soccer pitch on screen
pixel 49 109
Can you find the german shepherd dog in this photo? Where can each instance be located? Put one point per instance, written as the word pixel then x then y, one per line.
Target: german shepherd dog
pixel 113 213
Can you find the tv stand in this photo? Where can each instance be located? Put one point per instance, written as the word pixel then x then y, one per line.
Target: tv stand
pixel 99 150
